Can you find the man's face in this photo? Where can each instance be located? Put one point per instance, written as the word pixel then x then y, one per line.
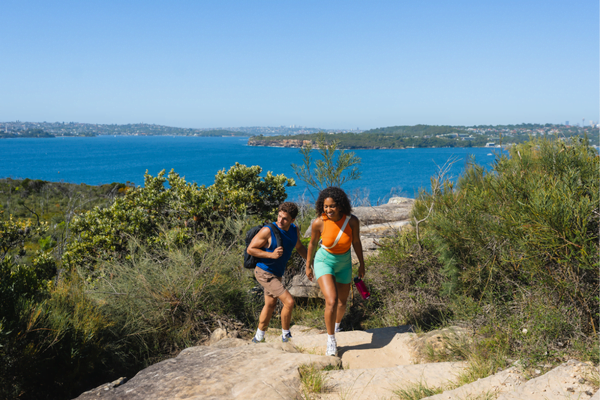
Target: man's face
pixel 284 220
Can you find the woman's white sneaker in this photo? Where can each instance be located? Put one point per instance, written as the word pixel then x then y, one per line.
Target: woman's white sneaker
pixel 331 349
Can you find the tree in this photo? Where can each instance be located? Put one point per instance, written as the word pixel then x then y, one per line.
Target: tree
pixel 335 167
pixel 183 209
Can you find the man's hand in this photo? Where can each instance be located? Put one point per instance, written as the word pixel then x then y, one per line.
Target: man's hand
pixel 278 252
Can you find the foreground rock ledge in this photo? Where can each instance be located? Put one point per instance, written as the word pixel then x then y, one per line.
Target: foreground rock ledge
pixel 231 369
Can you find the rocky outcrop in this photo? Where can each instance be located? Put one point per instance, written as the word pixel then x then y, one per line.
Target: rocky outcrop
pixel 296 143
pixel 230 369
pixel 569 380
pixel 377 364
pixel 269 142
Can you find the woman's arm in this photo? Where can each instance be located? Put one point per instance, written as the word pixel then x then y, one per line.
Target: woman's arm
pixel 315 235
pixel 357 244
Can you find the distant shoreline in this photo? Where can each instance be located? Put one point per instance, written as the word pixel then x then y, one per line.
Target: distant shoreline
pixel 385 148
pixel 290 146
pixel 93 136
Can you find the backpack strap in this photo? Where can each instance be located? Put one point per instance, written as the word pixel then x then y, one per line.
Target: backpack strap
pixel 339 236
pixel 275 230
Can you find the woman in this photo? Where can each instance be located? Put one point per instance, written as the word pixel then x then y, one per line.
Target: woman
pixel 338 230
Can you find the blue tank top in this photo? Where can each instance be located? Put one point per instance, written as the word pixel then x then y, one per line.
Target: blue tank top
pixel 289 239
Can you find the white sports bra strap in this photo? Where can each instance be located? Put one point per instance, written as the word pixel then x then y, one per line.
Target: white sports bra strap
pixel 339 236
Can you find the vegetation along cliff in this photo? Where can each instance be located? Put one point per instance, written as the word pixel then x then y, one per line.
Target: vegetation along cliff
pixel 99 282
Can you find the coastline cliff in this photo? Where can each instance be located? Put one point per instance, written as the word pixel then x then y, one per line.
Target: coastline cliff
pixel 298 143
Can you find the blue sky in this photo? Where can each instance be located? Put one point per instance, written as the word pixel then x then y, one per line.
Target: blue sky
pixel 327 64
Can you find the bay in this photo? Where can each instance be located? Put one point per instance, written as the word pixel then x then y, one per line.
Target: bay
pixel 107 159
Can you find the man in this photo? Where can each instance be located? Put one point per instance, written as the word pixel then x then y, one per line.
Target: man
pixel 269 271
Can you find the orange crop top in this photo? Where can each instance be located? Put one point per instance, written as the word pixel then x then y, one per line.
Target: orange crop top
pixel 330 232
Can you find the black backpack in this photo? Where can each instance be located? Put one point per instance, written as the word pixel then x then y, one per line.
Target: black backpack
pixel 250 261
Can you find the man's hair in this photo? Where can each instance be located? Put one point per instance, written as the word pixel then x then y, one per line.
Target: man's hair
pixel 339 197
pixel 290 208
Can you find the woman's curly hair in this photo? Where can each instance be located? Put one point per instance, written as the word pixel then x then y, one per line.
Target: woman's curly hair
pixel 338 195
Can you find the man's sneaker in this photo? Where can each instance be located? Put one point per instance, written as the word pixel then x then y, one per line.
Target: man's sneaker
pixel 331 349
pixel 255 340
pixel 286 338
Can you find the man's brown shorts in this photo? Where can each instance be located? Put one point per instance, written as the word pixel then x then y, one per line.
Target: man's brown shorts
pixel 271 283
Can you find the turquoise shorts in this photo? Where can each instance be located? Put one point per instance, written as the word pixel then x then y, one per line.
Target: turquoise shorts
pixel 338 265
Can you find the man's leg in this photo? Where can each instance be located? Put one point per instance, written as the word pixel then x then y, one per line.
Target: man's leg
pixel 286 312
pixel 267 312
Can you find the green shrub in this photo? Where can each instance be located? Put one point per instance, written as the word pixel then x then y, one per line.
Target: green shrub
pixel 170 272
pixel 163 300
pixel 519 244
pixel 405 285
pixel 104 234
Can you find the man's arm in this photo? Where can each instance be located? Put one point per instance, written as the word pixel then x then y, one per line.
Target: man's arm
pixel 300 247
pixel 261 240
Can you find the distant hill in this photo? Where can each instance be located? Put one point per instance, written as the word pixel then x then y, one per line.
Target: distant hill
pixel 30 133
pixel 10 129
pixel 400 137
pixel 418 130
pixel 221 132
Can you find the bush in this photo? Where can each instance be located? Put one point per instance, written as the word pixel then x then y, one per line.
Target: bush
pixel 104 234
pixel 170 271
pixel 163 300
pixel 522 240
pixel 405 284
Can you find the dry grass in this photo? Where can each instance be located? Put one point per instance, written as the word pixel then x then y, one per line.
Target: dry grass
pixel 313 379
pixel 417 391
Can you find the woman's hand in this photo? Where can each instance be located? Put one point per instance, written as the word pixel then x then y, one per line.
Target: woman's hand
pixel 361 271
pixel 309 273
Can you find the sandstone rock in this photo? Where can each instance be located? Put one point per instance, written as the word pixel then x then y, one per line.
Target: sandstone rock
pixel 374 348
pixel 217 335
pixel 385 229
pixel 400 200
pixel 301 286
pixel 233 334
pixel 504 381
pixel 380 383
pixel 229 343
pixel 560 383
pixel 257 371
pixel 385 213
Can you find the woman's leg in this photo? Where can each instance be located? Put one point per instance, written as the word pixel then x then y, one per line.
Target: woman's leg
pixel 342 291
pixel 329 290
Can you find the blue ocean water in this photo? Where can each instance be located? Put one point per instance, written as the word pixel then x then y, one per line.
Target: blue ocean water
pixel 107 159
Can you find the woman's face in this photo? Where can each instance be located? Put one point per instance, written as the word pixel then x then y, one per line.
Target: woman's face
pixel 331 209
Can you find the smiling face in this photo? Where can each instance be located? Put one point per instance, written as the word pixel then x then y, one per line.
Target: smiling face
pixel 331 209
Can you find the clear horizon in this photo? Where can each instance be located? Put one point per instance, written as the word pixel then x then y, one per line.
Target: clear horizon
pixel 339 65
